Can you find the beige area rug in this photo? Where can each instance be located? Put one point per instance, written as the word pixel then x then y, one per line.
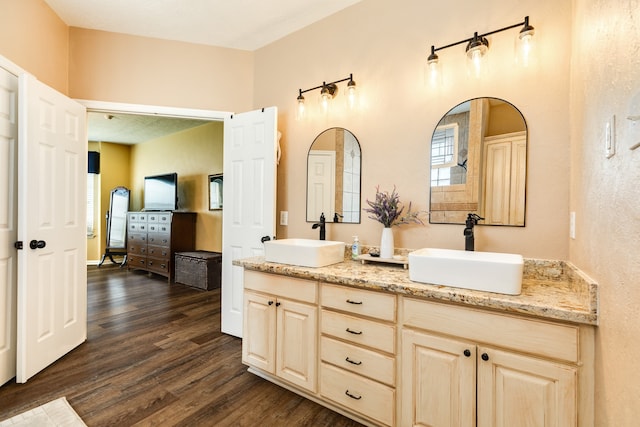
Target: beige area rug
pixel 57 413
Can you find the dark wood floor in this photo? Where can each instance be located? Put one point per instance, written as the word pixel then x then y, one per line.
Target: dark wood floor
pixel 155 356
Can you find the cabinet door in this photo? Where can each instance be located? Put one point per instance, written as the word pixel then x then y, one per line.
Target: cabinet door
pixel 297 327
pixel 438 381
pixel 515 390
pixel 258 344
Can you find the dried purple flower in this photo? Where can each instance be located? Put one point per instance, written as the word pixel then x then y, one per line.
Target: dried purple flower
pixel 387 209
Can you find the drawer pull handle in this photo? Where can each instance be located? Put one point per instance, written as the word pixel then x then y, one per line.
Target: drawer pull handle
pixel 354 332
pixel 353 361
pixel 353 396
pixel 354 302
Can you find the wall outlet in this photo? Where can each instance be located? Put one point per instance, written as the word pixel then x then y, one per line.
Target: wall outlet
pixel 284 218
pixel 610 137
pixel 572 225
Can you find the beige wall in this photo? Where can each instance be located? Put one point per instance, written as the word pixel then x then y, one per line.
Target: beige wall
pixel 130 69
pixel 565 100
pixel 385 47
pixel 193 154
pixel 605 195
pixel 35 38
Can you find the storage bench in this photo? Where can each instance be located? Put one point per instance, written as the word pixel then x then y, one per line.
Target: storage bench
pixel 200 269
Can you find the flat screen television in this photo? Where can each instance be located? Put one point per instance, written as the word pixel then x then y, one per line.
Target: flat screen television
pixel 161 192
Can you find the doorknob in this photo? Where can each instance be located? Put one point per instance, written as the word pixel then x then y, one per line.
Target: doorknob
pixel 37 244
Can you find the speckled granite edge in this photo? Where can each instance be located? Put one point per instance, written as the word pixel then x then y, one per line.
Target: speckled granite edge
pixel 551 289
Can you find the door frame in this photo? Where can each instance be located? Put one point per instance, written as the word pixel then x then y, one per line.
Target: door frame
pixel 151 110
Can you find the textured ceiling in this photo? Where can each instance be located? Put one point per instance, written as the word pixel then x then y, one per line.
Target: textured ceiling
pixel 132 128
pixel 238 24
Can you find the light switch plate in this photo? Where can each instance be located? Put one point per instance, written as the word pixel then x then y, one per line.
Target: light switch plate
pixel 572 225
pixel 284 218
pixel 610 137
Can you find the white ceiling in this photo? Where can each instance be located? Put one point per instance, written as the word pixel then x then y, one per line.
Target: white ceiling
pixel 238 24
pixel 132 128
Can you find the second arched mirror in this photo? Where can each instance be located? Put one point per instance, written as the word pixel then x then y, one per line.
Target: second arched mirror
pixel 479 164
pixel 333 177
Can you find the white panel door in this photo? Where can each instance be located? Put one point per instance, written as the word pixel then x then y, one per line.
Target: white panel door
pixel 8 222
pixel 249 213
pixel 52 276
pixel 321 184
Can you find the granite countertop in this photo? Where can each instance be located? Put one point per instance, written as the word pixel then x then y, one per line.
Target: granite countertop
pixel 554 290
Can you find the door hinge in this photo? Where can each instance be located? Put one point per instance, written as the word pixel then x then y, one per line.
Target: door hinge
pixel 18 245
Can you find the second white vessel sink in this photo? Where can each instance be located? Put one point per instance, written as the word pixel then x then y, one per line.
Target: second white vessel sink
pixel 304 252
pixel 483 271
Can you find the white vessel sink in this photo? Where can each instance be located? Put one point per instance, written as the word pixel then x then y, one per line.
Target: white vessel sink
pixel 483 271
pixel 304 252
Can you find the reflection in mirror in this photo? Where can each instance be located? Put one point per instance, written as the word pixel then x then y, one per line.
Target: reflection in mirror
pixel 117 226
pixel 333 177
pixel 215 192
pixel 479 164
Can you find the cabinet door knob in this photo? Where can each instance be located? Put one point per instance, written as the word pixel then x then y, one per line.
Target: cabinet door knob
pixel 485 356
pixel 354 302
pixel 354 332
pixel 353 396
pixel 270 303
pixel 467 353
pixel 278 304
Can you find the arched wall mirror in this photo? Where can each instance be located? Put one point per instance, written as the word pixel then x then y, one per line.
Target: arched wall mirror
pixel 479 164
pixel 117 225
pixel 333 177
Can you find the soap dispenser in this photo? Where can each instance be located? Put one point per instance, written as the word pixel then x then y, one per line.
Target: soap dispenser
pixel 355 248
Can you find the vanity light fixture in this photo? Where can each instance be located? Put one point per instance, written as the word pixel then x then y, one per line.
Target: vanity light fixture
pixel 327 92
pixel 478 46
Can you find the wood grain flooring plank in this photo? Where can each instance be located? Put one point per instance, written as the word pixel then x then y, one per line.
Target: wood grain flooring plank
pixel 155 356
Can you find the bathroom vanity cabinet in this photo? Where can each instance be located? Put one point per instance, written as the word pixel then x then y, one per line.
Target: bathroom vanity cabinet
pixel 388 358
pixel 460 363
pixel 280 327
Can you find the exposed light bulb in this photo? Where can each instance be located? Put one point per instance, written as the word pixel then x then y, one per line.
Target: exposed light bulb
pixel 476 50
pixel 352 95
pixel 300 107
pixel 524 47
pixel 434 75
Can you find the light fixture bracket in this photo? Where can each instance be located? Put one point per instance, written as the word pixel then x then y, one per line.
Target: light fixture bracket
pixel 526 28
pixel 330 87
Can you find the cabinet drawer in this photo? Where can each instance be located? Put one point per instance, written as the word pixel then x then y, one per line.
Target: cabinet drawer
pixel 160 252
pixel 283 286
pixel 360 331
pixel 358 301
pixel 137 217
pixel 162 218
pixel 159 227
pixel 136 261
pixel 158 265
pixel 359 394
pixel 524 335
pixel 158 239
pixel 359 360
pixel 137 227
pixel 137 248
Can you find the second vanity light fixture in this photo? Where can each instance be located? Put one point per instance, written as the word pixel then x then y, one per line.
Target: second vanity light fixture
pixel 478 46
pixel 327 92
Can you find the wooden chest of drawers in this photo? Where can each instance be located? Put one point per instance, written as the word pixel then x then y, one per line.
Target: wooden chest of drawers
pixel 154 238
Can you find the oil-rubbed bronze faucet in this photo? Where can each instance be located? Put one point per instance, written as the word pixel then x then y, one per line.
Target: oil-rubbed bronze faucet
pixel 469 240
pixel 321 224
